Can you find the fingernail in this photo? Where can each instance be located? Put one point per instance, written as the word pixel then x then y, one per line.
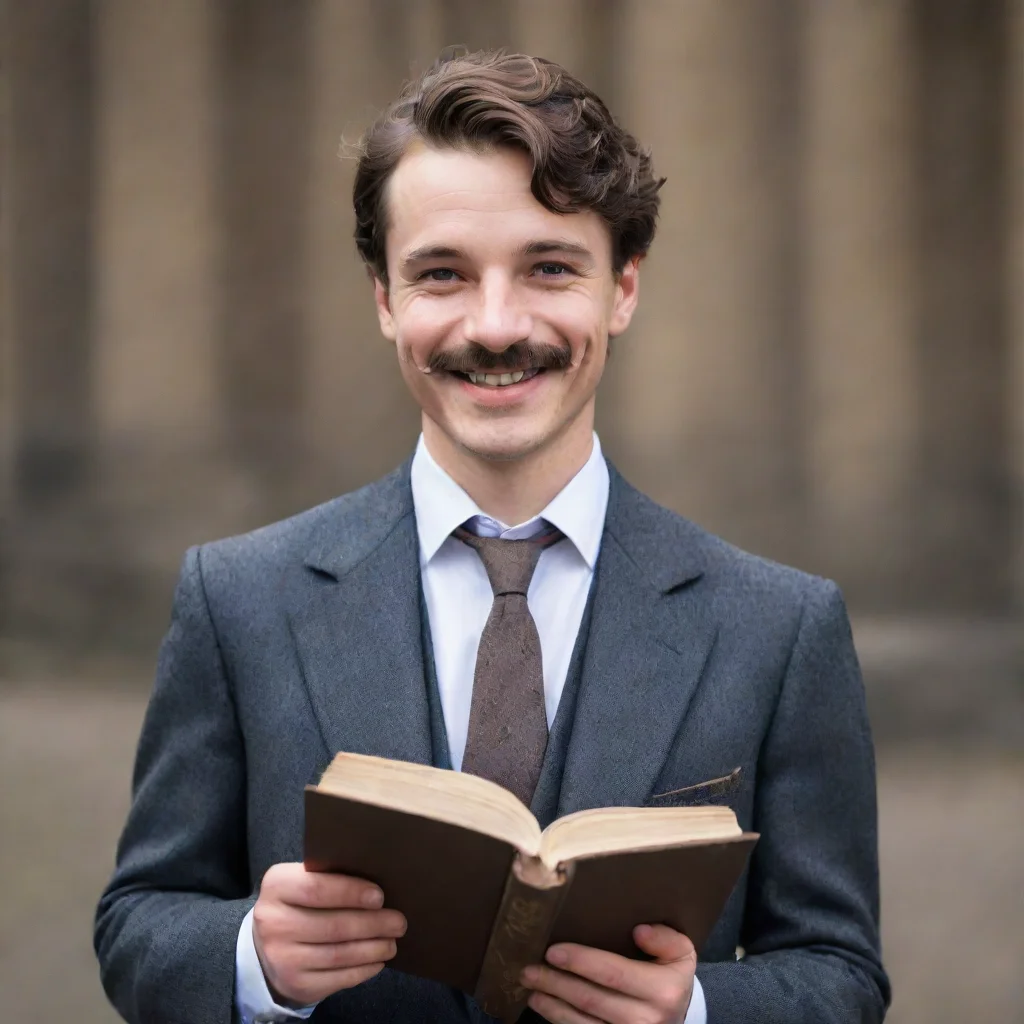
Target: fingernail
pixel 530 975
pixel 373 898
pixel 557 956
pixel 644 931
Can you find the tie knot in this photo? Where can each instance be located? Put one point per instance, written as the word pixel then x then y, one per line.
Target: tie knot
pixel 510 563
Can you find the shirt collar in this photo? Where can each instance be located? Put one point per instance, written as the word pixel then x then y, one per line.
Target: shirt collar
pixel 578 510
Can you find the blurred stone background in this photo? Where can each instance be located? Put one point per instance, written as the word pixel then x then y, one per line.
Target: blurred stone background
pixel 828 369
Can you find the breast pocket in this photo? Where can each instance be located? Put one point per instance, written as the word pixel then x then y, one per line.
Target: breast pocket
pixel 722 791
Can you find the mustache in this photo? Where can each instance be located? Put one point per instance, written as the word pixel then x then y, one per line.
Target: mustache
pixel 520 355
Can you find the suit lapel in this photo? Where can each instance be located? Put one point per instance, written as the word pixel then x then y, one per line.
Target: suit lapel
pixel 356 623
pixel 650 638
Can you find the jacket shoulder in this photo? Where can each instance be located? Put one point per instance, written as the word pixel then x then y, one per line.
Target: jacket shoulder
pixel 672 546
pixel 729 564
pixel 271 548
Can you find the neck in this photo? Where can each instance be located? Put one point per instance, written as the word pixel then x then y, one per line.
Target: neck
pixel 513 490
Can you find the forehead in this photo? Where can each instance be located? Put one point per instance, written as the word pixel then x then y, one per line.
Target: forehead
pixel 463 196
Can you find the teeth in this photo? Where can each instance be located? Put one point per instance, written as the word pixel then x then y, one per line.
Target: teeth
pixel 496 380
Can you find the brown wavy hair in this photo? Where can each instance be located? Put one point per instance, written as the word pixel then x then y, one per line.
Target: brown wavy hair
pixel 582 159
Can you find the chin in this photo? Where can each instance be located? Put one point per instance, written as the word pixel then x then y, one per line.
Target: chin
pixel 499 452
pixel 500 447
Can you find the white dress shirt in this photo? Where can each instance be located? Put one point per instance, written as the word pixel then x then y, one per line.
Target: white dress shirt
pixel 458 593
pixel 458 598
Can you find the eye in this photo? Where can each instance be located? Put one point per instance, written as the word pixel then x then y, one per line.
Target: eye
pixel 440 274
pixel 552 270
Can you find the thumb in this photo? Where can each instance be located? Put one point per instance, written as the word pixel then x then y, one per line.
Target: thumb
pixel 665 944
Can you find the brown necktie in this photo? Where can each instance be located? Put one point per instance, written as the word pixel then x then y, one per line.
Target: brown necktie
pixel 508 726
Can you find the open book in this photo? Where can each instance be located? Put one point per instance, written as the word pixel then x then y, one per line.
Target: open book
pixel 485 892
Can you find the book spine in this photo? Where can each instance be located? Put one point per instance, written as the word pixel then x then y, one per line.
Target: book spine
pixel 520 936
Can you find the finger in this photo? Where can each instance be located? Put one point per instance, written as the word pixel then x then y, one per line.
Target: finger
pixel 558 1012
pixel 340 955
pixel 320 890
pixel 300 924
pixel 635 978
pixel 315 986
pixel 665 944
pixel 583 996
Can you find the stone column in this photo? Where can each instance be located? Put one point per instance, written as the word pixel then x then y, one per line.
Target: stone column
pixel 860 302
pixel 162 480
pixel 47 225
pixel 579 34
pixel 1015 270
pixel 555 31
pixel 264 149
pixel 479 26
pixel 7 417
pixel 158 226
pixel 703 416
pixel 425 37
pixel 965 526
pixel 358 420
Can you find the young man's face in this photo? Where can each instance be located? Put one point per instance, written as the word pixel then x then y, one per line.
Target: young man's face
pixel 485 281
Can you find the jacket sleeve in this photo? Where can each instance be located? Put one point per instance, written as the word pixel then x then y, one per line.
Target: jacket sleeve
pixel 167 925
pixel 810 931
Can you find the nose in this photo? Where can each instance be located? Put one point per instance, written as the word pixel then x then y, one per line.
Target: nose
pixel 497 318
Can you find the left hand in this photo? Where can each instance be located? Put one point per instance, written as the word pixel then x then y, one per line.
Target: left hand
pixel 580 985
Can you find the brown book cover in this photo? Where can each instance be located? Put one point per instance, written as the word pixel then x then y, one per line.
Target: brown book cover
pixel 480 907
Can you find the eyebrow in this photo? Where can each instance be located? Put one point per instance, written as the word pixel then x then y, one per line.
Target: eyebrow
pixel 544 246
pixel 432 252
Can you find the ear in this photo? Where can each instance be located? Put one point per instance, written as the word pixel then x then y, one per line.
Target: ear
pixel 627 295
pixel 382 300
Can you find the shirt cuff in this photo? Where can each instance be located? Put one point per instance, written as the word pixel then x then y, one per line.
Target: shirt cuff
pixel 253 1001
pixel 698 1009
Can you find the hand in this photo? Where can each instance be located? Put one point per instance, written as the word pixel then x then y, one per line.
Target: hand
pixel 318 933
pixel 585 986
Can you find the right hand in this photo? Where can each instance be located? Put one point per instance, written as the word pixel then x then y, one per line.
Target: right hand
pixel 317 933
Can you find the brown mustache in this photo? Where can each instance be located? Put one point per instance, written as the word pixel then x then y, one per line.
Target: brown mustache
pixel 520 355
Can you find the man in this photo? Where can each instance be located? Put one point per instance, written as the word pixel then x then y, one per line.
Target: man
pixel 505 604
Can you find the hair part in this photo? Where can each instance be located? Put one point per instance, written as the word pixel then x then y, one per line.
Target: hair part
pixel 582 160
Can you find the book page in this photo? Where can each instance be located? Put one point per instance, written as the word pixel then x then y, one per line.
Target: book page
pixel 607 830
pixel 448 796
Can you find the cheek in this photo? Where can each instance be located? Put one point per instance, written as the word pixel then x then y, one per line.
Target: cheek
pixel 582 319
pixel 590 351
pixel 586 332
pixel 421 327
pixel 406 352
pixel 413 346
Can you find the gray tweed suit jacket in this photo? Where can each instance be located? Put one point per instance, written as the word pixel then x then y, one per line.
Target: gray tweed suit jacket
pixel 304 638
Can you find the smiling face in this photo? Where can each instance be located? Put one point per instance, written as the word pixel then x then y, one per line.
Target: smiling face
pixel 500 309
